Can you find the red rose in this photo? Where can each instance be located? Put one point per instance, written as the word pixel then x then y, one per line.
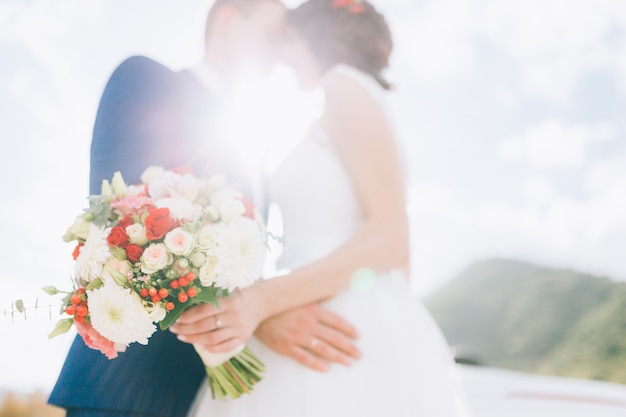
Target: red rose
pixel 182 170
pixel 158 223
pixel 118 237
pixel 133 252
pixel 249 208
pixel 77 250
pixel 126 221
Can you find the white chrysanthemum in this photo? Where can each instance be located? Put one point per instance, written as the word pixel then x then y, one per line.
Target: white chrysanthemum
pixel 171 184
pixel 224 195
pixel 231 209
pixel 152 173
pixel 241 254
pixel 119 315
pixel 180 208
pixel 93 255
pixel 156 312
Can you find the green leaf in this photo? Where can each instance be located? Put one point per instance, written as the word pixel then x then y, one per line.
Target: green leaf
pixel 63 326
pixel 50 290
pixel 19 306
pixel 207 295
pixel 96 283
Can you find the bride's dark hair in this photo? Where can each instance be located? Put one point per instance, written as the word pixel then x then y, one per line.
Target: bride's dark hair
pixel 350 32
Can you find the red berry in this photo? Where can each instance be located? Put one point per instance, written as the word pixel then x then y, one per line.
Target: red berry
pixel 156 299
pixel 192 292
pixel 152 292
pixel 79 319
pixel 182 297
pixel 81 311
pixel 163 292
pixel 174 284
pixel 169 306
pixel 71 310
pixel 76 299
pixel 183 281
pixel 81 291
pixel 143 292
pixel 190 276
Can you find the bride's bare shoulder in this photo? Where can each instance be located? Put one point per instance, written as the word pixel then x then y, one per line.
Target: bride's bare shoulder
pixel 351 100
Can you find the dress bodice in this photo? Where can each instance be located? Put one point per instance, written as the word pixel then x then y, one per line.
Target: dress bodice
pixel 318 205
pixel 315 195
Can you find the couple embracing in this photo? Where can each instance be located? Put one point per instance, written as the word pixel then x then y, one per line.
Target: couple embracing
pixel 331 348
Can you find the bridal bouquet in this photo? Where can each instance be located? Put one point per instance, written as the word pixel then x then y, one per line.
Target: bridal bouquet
pixel 147 252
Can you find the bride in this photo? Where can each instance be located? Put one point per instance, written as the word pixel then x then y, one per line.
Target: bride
pixel 342 196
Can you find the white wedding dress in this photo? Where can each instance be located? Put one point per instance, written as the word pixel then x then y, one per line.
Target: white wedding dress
pixel 406 368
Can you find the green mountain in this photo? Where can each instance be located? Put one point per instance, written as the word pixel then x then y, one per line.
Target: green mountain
pixel 520 316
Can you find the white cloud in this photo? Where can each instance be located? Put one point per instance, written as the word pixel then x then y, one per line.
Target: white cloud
pixel 553 143
pixel 435 39
pixel 554 43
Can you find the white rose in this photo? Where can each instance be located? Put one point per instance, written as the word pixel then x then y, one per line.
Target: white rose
pixel 155 258
pixel 208 272
pixel 179 242
pixel 208 238
pixel 151 173
pixel 231 209
pixel 137 234
pixel 123 267
pixel 79 229
pixel 197 259
pixel 180 208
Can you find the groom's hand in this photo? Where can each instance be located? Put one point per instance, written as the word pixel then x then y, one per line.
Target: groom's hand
pixel 311 335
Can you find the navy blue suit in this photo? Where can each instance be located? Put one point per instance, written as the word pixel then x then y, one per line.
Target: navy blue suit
pixel 148 115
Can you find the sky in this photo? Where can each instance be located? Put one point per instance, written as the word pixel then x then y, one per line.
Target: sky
pixel 510 115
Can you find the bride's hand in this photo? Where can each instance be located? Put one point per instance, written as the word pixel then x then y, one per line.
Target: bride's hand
pixel 312 335
pixel 222 329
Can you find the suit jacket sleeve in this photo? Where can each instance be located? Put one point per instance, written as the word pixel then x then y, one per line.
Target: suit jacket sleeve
pixel 162 378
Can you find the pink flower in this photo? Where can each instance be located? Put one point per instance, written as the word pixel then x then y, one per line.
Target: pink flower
pixel 96 341
pixel 132 203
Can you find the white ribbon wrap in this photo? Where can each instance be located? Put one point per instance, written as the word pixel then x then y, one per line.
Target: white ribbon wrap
pixel 213 360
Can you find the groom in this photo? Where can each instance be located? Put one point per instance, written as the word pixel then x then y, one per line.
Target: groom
pixel 149 115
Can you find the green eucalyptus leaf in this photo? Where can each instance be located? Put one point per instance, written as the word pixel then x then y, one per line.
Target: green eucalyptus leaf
pixel 50 290
pixel 19 306
pixel 63 326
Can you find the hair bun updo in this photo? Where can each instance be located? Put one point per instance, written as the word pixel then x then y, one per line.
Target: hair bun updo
pixel 350 32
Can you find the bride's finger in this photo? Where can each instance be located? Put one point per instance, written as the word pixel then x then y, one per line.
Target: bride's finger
pixel 205 325
pixel 308 359
pixel 226 346
pixel 337 322
pixel 340 342
pixel 208 339
pixel 328 352
pixel 198 313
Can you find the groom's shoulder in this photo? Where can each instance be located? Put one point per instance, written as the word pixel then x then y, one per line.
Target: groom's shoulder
pixel 139 70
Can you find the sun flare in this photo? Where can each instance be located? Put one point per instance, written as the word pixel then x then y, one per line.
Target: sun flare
pixel 265 120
